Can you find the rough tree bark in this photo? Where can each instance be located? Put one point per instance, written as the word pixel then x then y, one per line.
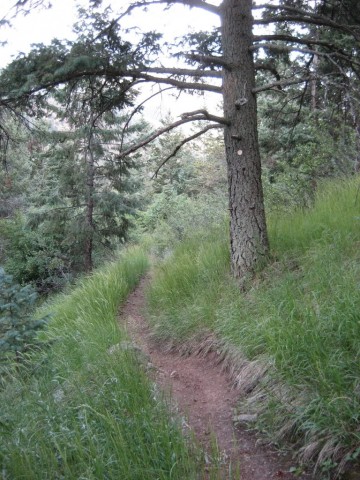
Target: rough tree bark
pixel 89 217
pixel 248 234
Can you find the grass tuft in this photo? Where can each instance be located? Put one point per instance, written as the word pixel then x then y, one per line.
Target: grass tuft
pixel 186 288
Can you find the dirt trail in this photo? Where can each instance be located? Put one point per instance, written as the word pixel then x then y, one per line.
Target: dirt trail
pixel 204 395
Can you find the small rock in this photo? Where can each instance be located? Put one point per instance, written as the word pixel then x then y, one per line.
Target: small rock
pixel 58 395
pixel 150 366
pixel 130 347
pixel 245 418
pixel 114 348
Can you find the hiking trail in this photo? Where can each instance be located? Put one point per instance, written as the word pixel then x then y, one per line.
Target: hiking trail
pixel 205 397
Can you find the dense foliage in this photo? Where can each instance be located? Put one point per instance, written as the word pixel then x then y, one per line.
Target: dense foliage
pixel 18 328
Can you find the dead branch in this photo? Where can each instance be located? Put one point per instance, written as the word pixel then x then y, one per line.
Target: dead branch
pixel 184 72
pixel 161 131
pixel 190 3
pixel 136 109
pixel 207 115
pixel 208 59
pixel 282 83
pixel 184 142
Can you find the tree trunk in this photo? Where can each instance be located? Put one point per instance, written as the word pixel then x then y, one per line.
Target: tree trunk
pixel 89 220
pixel 315 66
pixel 313 84
pixel 248 234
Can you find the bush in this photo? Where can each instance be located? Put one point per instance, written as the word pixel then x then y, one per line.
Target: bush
pixel 18 330
pixel 172 218
pixel 32 257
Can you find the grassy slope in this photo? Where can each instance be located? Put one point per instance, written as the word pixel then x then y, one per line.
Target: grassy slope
pixel 301 317
pixel 77 411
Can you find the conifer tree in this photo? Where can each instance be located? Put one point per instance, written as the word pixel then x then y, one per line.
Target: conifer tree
pixel 85 198
pixel 18 330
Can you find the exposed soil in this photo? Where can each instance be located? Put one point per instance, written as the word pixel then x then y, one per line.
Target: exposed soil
pixel 206 398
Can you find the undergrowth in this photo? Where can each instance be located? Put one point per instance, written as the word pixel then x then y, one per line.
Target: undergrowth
pixel 83 410
pixel 300 318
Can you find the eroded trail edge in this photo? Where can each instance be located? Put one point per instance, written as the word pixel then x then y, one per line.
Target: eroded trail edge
pixel 205 397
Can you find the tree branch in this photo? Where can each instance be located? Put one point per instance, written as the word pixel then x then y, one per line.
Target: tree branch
pixel 200 4
pixel 112 72
pixel 285 48
pixel 208 59
pixel 207 115
pixel 190 3
pixel 305 15
pixel 268 68
pixel 184 72
pixel 292 39
pixel 282 83
pixel 182 85
pixel 181 144
pixel 186 118
pixel 136 109
pixel 145 3
pixel 310 19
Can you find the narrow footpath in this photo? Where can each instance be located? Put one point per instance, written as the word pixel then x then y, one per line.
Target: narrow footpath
pixel 204 396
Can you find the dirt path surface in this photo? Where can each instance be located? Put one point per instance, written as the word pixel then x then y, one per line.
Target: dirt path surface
pixel 205 397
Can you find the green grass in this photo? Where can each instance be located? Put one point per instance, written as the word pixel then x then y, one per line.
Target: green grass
pixel 300 318
pixel 187 288
pixel 77 411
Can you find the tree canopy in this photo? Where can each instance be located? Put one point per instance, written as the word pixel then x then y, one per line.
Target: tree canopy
pixel 310 50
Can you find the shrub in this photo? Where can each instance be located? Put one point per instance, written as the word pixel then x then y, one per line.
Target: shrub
pixel 18 330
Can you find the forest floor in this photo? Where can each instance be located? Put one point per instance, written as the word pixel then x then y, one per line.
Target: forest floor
pixel 204 396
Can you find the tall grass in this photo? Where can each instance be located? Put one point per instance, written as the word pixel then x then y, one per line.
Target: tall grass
pixel 301 318
pixel 81 410
pixel 187 287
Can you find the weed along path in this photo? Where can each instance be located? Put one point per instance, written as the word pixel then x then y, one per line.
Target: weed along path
pixel 204 395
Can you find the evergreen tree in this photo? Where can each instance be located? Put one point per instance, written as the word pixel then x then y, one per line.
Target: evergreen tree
pixel 18 330
pixel 82 195
pixel 85 197
pixel 14 168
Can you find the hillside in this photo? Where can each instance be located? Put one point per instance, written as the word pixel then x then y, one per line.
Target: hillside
pixel 292 340
pixel 84 405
